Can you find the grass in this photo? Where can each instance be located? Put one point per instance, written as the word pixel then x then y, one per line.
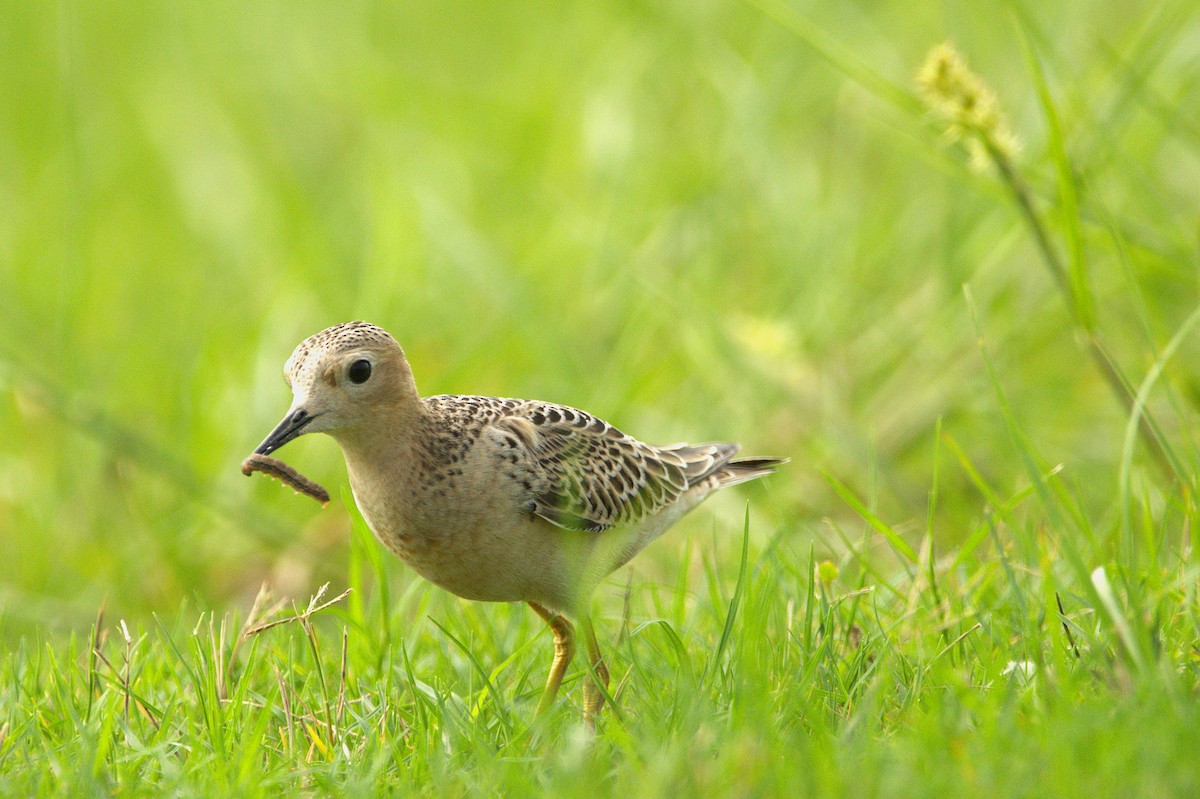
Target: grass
pixel 957 679
pixel 742 221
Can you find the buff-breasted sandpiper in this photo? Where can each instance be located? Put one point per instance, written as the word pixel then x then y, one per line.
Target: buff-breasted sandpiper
pixel 500 500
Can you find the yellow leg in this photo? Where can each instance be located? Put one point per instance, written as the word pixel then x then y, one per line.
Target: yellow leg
pixel 564 650
pixel 593 696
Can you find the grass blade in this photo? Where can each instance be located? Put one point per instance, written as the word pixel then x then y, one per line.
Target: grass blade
pixel 883 528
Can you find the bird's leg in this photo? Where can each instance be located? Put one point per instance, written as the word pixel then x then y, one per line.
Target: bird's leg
pixel 593 693
pixel 564 650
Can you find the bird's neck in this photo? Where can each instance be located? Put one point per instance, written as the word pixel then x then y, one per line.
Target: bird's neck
pixel 385 445
pixel 384 468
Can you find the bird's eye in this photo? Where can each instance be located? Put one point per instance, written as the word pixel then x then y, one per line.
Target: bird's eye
pixel 360 371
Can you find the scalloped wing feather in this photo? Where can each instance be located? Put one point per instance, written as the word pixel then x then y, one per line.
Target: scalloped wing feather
pixel 594 477
pixel 580 472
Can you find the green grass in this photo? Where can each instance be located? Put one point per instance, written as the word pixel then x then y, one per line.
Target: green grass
pixel 698 220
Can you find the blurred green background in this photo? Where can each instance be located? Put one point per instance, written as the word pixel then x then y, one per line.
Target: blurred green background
pixel 699 220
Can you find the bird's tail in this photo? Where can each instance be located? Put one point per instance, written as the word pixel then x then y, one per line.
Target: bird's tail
pixel 743 469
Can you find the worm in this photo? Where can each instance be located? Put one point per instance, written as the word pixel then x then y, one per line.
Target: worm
pixel 284 474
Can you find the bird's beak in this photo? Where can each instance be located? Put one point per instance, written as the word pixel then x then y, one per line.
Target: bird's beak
pixel 291 427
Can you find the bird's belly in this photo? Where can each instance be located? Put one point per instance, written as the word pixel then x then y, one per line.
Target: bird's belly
pixel 491 550
pixel 518 558
pixel 475 567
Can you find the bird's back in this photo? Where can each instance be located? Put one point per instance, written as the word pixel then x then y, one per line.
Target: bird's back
pixel 578 471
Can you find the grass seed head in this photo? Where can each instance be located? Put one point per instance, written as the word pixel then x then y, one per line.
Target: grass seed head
pixel 969 106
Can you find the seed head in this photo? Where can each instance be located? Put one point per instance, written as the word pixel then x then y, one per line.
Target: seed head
pixel 827 570
pixel 969 106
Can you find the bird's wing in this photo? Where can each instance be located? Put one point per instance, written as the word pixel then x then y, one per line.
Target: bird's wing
pixel 588 475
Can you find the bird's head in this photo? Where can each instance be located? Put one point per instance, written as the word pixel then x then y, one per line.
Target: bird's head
pixel 342 379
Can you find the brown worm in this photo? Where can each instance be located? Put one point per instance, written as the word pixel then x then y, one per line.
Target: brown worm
pixel 284 474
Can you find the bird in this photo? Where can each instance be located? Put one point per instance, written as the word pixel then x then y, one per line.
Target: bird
pixel 497 499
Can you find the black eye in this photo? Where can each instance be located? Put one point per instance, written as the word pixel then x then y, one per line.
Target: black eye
pixel 360 371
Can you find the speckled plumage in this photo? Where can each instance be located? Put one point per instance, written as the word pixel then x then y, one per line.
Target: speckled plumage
pixel 491 498
pixel 578 471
